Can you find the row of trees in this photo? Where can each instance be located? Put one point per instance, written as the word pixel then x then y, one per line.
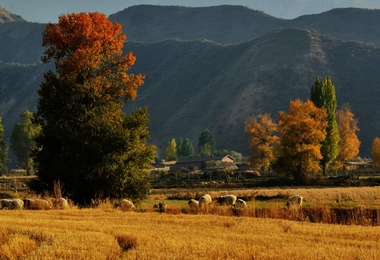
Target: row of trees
pixel 308 138
pixel 206 147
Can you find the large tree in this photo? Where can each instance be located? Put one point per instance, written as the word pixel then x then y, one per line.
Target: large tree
pixel 323 95
pixel 301 131
pixel 22 141
pixel 263 141
pixel 3 149
pixel 87 142
pixel 349 142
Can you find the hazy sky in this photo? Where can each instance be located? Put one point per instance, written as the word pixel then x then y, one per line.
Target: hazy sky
pixel 44 11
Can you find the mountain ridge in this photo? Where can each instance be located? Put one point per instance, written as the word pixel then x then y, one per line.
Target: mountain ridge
pixel 197 83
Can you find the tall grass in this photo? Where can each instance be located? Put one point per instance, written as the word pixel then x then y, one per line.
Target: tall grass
pixel 113 234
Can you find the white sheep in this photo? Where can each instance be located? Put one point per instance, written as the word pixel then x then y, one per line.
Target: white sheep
pixel 227 200
pixel 126 205
pixel 60 203
pixel 204 201
pixel 240 204
pixel 193 203
pixel 295 200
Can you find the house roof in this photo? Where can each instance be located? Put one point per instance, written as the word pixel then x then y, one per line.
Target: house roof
pixel 203 159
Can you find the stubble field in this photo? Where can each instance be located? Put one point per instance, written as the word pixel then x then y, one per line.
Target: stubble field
pixel 108 233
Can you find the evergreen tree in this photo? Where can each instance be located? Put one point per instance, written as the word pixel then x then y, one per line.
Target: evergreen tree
pixel 22 141
pixel 185 148
pixel 87 142
pixel 206 143
pixel 323 96
pixel 3 149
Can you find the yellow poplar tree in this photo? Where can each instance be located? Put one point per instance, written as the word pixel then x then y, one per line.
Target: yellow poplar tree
pixel 263 141
pixel 376 152
pixel 349 143
pixel 301 131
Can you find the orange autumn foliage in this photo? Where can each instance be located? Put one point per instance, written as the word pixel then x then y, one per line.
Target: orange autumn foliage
pixel 302 130
pixel 348 126
pixel 263 141
pixel 87 49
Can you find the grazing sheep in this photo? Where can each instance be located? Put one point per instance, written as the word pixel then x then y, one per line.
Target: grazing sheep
pixel 160 207
pixel 295 200
pixel 126 205
pixel 227 200
pixel 205 200
pixel 37 204
pixel 240 204
pixel 12 204
pixel 60 203
pixel 193 203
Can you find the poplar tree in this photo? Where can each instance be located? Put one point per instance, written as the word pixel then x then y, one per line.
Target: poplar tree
pixel 323 96
pixel 263 141
pixel 87 142
pixel 301 131
pixel 171 151
pixel 376 152
pixel 185 148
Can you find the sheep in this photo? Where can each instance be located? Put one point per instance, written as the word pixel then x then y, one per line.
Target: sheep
pixel 60 203
pixel 240 204
pixel 160 207
pixel 204 201
pixel 37 204
pixel 227 200
pixel 193 203
pixel 126 205
pixel 295 200
pixel 12 204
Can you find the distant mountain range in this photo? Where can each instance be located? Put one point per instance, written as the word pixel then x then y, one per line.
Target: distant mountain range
pixel 215 67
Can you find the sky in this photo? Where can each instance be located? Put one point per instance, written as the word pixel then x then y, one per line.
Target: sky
pixel 44 11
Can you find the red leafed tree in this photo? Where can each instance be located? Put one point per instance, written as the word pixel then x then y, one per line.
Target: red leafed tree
pixel 87 142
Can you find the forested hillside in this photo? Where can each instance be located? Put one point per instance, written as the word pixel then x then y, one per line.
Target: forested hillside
pixel 207 71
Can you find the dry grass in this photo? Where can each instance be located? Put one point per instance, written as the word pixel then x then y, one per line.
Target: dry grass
pixel 113 234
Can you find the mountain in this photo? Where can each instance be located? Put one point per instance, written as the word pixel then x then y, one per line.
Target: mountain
pixel 215 72
pixel 234 24
pixel 7 17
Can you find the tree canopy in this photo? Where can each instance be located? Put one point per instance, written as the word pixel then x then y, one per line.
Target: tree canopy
pixel 22 142
pixel 185 148
pixel 301 131
pixel 323 96
pixel 349 142
pixel 87 142
pixel 171 151
pixel 263 141
pixel 206 143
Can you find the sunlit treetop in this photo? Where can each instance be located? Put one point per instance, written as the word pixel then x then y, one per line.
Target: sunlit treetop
pixel 87 46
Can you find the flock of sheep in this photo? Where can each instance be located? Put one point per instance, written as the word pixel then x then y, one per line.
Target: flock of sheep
pixel 226 200
pixel 34 204
pixel 126 205
pixel 205 201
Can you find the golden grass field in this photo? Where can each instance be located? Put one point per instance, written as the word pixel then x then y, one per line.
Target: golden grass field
pixel 108 233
